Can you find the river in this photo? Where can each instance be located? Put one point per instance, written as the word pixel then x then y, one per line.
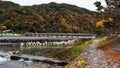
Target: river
pixel 6 62
pixel 47 52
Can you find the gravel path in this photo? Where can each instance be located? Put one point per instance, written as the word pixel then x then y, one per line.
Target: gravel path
pixel 94 57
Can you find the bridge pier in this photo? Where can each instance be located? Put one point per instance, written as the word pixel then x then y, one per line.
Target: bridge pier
pixel 46 44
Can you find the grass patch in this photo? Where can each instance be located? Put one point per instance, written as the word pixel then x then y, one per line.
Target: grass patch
pixel 78 49
pixel 106 42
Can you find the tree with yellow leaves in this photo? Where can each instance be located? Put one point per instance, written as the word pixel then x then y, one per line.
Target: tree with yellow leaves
pixel 99 24
pixel 2 27
pixel 102 22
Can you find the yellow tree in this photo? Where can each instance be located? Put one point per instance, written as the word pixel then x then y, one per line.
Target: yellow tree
pixel 101 23
pixel 3 27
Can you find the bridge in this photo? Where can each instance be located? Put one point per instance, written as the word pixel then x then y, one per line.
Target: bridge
pixel 62 35
pixel 44 37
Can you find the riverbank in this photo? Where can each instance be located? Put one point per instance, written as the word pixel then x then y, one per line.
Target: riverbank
pixel 28 61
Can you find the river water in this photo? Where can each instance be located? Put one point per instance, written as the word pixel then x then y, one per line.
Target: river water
pixel 3 59
pixel 23 64
pixel 50 52
pixel 5 62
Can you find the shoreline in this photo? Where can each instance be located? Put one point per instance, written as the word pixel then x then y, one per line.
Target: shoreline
pixel 32 57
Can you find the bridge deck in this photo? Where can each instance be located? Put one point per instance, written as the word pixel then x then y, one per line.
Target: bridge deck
pixel 35 38
pixel 46 37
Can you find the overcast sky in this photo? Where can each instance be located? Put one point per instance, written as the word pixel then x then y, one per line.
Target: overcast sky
pixel 81 3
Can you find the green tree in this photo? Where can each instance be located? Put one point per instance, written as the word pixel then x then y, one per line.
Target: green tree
pixel 99 6
pixel 1 11
pixel 114 3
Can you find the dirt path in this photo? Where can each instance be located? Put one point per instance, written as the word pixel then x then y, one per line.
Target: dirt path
pixel 94 57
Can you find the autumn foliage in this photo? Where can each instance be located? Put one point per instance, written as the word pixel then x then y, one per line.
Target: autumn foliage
pixel 51 17
pixel 102 22
pixel 112 50
pixel 2 27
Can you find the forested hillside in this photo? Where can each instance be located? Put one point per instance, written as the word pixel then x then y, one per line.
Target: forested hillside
pixel 59 18
pixel 51 17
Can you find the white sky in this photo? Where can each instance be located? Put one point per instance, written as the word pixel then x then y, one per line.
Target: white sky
pixel 81 3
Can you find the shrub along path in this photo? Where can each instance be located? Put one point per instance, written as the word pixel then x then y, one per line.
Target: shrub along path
pixel 94 57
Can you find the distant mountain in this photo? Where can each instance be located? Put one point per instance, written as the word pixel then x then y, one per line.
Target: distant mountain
pixel 54 7
pixel 51 17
